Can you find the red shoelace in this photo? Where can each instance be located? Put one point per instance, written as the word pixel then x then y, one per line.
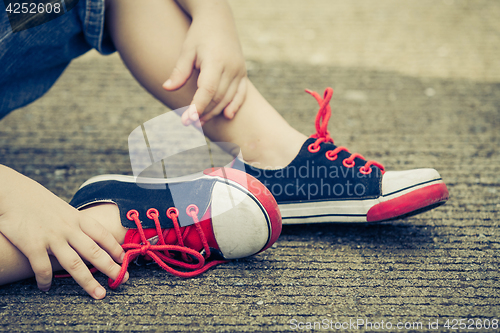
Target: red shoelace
pixel 323 135
pixel 160 252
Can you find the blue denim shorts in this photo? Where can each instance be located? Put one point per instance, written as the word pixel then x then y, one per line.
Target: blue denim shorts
pixel 31 60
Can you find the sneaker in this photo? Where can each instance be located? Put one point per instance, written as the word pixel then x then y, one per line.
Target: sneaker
pixel 189 226
pixel 326 183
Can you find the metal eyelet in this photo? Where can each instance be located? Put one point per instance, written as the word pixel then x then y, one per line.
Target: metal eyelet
pixel 312 149
pixel 172 211
pixel 347 164
pixel 364 172
pixel 330 156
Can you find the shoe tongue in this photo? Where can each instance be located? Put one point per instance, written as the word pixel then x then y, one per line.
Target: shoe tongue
pixel 191 240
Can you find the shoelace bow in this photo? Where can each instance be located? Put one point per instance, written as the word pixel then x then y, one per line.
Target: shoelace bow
pixel 159 252
pixel 323 135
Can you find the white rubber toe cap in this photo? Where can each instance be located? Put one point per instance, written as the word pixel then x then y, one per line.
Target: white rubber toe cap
pixel 396 181
pixel 239 223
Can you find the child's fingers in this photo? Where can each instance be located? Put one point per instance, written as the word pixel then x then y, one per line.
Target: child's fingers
pixel 41 266
pixel 94 254
pixel 190 115
pixel 217 109
pixel 182 71
pixel 220 95
pixel 208 84
pixel 75 266
pixel 101 236
pixel 237 101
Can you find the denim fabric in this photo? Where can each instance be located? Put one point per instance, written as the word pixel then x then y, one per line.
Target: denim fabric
pixel 31 60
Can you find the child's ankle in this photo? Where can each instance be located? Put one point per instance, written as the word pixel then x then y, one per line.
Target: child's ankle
pixel 272 154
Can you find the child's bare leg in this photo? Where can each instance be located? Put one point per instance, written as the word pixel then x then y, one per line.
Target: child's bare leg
pixel 149 37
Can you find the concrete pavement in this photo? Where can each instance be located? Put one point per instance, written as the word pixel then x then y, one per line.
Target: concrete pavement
pixel 409 93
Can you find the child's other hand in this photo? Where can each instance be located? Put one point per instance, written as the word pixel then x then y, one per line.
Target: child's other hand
pixel 40 224
pixel 213 48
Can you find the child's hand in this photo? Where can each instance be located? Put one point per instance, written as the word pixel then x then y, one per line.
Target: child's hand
pixel 40 224
pixel 213 48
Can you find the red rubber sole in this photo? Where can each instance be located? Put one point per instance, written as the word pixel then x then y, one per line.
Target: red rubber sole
pixel 407 203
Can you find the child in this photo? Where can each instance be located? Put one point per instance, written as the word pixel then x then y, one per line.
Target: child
pixel 184 52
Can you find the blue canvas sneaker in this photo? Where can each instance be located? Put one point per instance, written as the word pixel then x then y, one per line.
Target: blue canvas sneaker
pixel 188 226
pixel 326 183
